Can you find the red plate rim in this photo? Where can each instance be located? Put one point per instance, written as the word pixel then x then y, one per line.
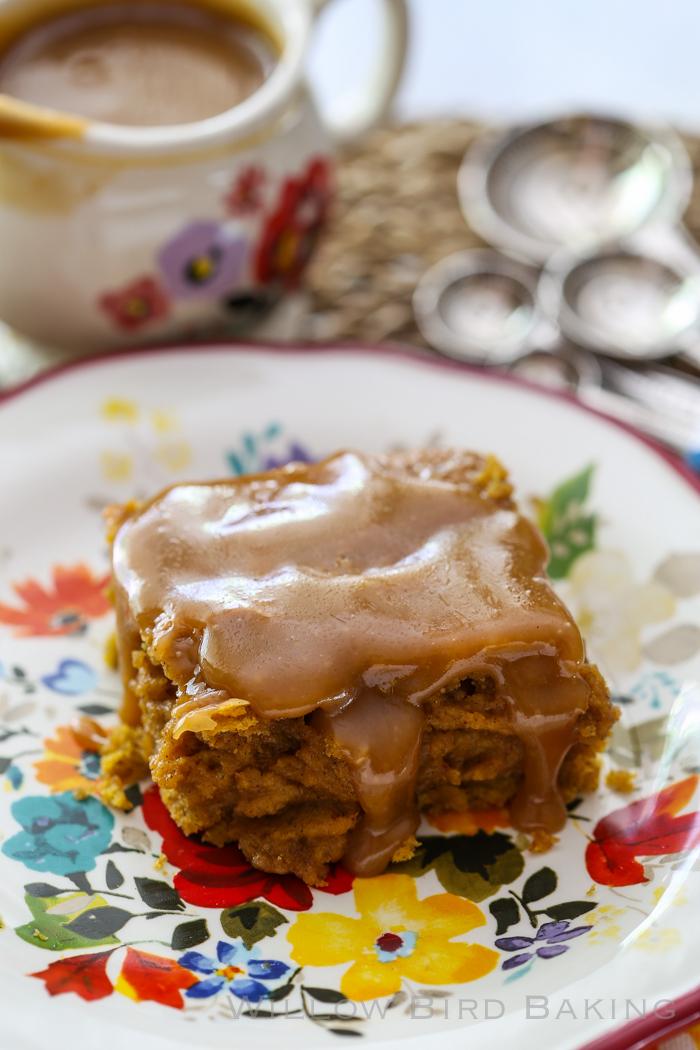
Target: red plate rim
pixel 644 1031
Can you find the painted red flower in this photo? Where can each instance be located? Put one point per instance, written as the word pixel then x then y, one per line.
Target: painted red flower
pixel 649 827
pixel 245 196
pixel 137 305
pixel 144 976
pixel 76 598
pixel 292 230
pixel 86 975
pixel 221 877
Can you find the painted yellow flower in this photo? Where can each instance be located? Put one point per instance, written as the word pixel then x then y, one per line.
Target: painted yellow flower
pixel 165 421
pixel 116 466
pixel 397 936
pixel 605 920
pixel 658 942
pixel 119 410
pixel 174 455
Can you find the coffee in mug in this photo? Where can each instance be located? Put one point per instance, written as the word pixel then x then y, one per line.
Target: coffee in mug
pixel 139 64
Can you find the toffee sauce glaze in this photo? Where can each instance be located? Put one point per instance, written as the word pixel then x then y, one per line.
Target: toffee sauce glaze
pixel 355 590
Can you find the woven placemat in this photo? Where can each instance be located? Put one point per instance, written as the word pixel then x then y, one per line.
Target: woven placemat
pixel 396 213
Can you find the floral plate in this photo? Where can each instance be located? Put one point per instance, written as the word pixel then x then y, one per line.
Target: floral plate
pixel 116 927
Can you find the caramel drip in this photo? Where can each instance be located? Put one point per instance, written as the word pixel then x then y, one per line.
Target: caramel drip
pixel 546 700
pixel 356 589
pixel 379 736
pixel 128 639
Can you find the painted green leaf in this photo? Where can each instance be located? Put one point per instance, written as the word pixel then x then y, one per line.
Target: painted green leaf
pixel 325 995
pixel 133 794
pixel 53 924
pixel 99 922
pixel 569 531
pixel 113 876
pixel 189 934
pixel 251 922
pixel 539 885
pixel 573 805
pixel 80 881
pixel 506 913
pixel 95 710
pixel 569 910
pixel 42 889
pixel 280 993
pixel 470 866
pixel 160 895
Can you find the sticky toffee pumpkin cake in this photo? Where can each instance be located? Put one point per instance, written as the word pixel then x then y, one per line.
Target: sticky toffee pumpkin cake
pixel 315 654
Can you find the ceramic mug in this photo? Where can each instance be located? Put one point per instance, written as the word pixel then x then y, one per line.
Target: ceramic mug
pixel 113 235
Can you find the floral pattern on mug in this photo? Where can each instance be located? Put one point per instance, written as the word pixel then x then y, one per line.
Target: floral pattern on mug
pixel 138 304
pixel 204 259
pixel 246 194
pixel 291 232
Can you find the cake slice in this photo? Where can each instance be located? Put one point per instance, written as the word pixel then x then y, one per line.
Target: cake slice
pixel 320 651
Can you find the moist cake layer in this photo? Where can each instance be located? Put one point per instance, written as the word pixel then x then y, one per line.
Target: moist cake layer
pixel 279 788
pixel 346 596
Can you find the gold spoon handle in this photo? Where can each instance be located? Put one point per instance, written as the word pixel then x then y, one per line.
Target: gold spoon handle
pixel 22 120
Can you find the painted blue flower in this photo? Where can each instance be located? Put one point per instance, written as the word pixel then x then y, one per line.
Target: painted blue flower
pixel 202 260
pixel 15 777
pixel 552 933
pixel 254 452
pixel 237 968
pixel 90 765
pixel 657 689
pixel 295 453
pixel 250 456
pixel 72 678
pixel 59 834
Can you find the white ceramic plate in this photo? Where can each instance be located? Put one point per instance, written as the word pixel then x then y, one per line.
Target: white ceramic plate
pixel 94 900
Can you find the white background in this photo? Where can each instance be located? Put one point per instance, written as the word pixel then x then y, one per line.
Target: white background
pixel 505 59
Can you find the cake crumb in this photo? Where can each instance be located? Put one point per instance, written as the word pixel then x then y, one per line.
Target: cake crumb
pixel 126 752
pixel 81 793
pixel 405 850
pixel 160 863
pixel 591 891
pixel 39 935
pixel 112 792
pixel 494 479
pixel 542 841
pixel 621 780
pixel 111 654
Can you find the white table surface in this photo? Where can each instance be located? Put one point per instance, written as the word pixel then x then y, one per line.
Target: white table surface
pixel 518 59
